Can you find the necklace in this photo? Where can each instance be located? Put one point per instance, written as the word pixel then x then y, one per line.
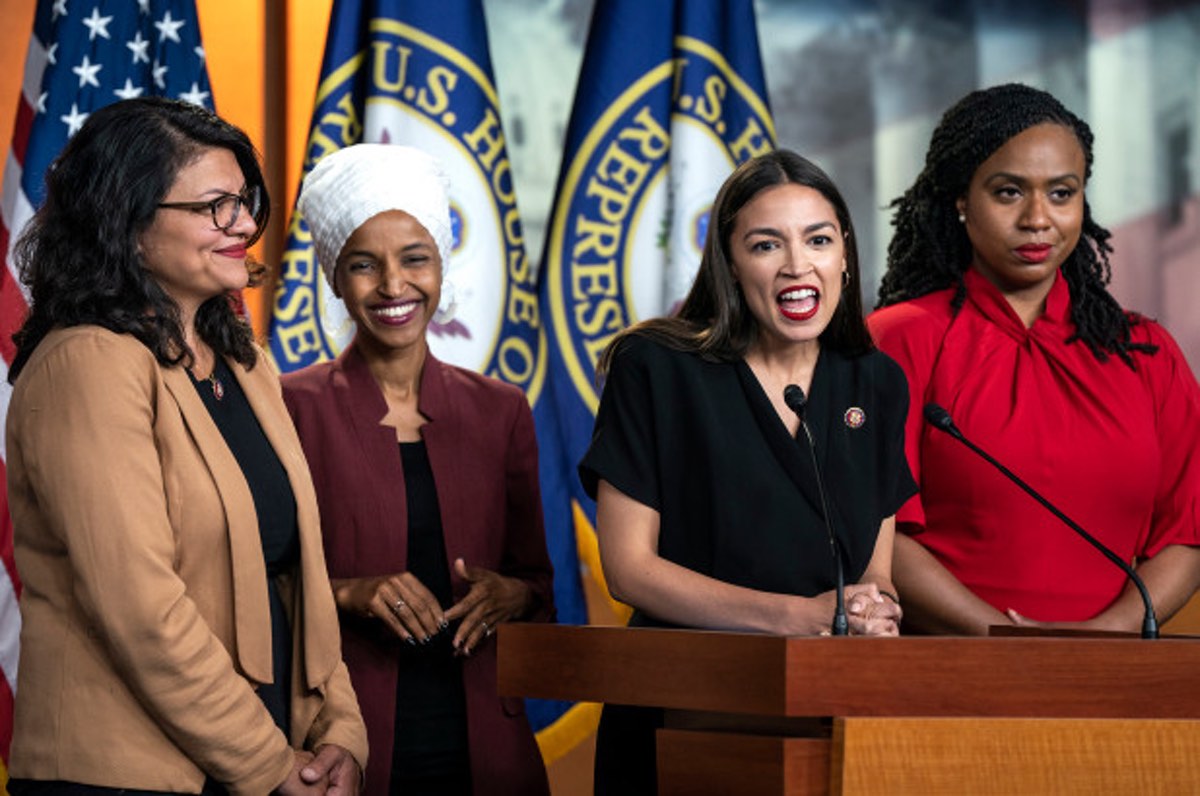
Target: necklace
pixel 218 388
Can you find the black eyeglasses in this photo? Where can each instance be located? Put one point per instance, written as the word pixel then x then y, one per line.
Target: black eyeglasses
pixel 226 208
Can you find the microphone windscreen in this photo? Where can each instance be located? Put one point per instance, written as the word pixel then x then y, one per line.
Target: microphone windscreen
pixel 793 396
pixel 938 417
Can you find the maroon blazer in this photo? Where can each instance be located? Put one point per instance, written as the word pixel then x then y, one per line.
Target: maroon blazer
pixel 483 453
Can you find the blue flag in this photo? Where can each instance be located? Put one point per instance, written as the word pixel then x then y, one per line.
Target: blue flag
pixel 96 54
pixel 671 98
pixel 418 73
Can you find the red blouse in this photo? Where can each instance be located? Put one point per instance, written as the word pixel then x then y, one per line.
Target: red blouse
pixel 1116 449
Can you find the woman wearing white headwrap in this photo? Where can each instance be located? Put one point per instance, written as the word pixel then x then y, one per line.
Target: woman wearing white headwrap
pixel 426 476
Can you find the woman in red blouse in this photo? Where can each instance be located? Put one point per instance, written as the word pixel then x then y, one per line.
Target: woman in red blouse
pixel 995 304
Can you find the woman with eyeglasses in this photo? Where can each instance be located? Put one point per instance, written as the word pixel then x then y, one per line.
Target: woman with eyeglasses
pixel 178 630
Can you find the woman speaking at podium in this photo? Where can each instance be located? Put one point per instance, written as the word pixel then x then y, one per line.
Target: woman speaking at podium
pixel 709 491
pixel 995 303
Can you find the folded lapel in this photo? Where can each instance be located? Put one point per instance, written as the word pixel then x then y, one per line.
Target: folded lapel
pixel 321 653
pixel 251 608
pixel 821 414
pixel 825 421
pixel 382 471
pixel 789 451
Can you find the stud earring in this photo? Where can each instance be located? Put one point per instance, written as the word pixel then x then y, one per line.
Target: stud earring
pixel 962 218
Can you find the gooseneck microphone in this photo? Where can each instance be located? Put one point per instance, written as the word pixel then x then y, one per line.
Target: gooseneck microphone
pixel 793 396
pixel 940 419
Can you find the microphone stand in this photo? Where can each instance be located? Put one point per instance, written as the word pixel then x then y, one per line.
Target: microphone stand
pixel 793 396
pixel 940 419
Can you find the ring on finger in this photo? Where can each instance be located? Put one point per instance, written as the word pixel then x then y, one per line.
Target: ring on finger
pixel 487 629
pixel 399 606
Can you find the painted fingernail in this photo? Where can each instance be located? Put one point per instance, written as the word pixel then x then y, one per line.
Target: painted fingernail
pixel 412 642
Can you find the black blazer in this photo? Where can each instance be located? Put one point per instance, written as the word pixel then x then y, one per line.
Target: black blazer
pixel 700 442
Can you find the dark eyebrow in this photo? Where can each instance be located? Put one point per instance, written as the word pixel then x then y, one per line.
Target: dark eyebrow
pixel 811 228
pixel 818 225
pixel 418 247
pixel 1021 180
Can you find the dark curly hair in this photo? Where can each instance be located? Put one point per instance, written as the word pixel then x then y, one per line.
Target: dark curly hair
pixel 930 249
pixel 78 255
pixel 714 320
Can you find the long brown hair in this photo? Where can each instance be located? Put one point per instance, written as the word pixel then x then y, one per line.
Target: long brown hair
pixel 714 320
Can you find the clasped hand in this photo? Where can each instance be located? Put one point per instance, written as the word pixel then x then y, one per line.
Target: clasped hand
pixel 332 771
pixel 870 613
pixel 411 611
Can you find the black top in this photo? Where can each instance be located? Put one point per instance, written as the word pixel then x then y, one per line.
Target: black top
pixel 431 714
pixel 275 506
pixel 701 443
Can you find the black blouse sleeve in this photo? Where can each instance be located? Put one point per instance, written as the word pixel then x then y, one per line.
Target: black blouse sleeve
pixel 623 450
pixel 896 482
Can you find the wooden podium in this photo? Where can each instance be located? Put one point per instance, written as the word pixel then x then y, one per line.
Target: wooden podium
pixel 754 714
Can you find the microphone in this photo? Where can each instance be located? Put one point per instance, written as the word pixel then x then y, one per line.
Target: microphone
pixel 940 419
pixel 793 396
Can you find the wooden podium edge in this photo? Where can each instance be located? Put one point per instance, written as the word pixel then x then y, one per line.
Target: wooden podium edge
pixel 928 676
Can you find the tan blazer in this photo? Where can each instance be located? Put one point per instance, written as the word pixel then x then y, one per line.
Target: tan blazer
pixel 145 614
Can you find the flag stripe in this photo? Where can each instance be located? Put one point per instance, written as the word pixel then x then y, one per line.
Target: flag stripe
pixel 36 61
pixel 24 122
pixel 6 709
pixel 16 211
pixel 12 305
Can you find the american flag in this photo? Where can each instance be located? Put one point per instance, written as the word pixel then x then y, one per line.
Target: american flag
pixel 83 55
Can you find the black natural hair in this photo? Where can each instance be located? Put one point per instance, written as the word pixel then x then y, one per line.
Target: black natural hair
pixel 930 249
pixel 79 254
pixel 714 320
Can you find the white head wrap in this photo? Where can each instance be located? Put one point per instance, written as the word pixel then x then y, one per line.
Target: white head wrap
pixel 349 187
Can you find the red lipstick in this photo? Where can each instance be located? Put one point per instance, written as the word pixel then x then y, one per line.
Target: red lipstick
pixel 1034 252
pixel 799 303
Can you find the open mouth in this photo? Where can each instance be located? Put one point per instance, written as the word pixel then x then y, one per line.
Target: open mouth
pixel 799 303
pixel 396 314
